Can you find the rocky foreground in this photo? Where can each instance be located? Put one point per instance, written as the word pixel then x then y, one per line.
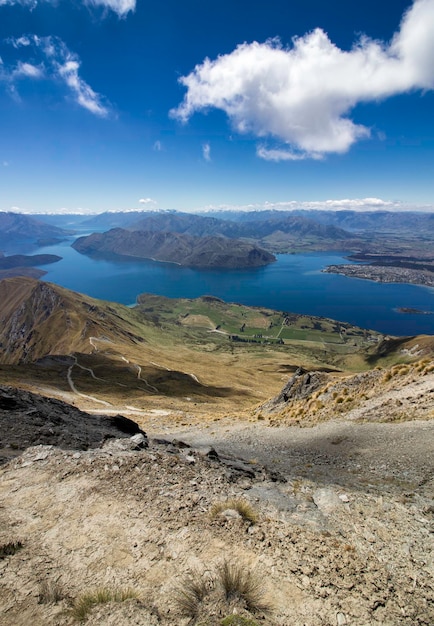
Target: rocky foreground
pixel 339 530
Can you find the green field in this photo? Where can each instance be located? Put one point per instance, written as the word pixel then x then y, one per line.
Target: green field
pixel 256 325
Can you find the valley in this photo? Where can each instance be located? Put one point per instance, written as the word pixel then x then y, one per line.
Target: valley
pixel 144 445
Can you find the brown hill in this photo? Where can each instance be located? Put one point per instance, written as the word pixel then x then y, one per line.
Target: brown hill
pixel 185 250
pixel 37 319
pixel 98 354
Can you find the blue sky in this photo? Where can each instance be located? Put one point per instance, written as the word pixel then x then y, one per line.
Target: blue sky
pixel 122 104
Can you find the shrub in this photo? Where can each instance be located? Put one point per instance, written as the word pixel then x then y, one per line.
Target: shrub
pixel 240 505
pixel 240 583
pixel 85 603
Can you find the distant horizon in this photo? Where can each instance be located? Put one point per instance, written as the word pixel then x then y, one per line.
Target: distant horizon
pixel 364 205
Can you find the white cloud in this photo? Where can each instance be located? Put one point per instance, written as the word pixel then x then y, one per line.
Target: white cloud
pixel 28 70
pixel 58 64
pixel 302 95
pixel 84 94
pixel 120 7
pixel 206 152
pixel 147 201
pixel 158 146
pixel 26 3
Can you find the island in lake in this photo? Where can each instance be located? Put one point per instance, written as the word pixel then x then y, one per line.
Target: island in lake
pixel 25 265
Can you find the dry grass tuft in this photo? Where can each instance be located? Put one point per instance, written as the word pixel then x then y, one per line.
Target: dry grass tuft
pixel 240 505
pixel 238 582
pixel 50 593
pixel 10 548
pixel 191 594
pixel 231 589
pixel 85 603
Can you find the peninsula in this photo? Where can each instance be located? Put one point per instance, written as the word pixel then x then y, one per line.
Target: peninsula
pixel 187 250
pixel 384 274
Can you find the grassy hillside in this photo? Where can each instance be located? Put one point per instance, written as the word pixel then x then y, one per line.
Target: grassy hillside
pixel 201 356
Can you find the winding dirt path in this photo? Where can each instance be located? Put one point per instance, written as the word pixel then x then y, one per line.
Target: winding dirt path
pixel 74 388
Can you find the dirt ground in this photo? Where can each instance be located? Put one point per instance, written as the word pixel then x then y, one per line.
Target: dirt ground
pixel 344 532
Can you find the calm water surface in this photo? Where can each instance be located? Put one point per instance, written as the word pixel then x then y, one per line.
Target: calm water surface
pixel 294 283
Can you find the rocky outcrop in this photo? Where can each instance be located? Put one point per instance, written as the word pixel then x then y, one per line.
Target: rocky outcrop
pixel 28 419
pixel 402 392
pixel 300 386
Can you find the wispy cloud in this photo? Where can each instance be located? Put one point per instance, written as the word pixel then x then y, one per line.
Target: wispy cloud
pixel 158 146
pixel 147 201
pixel 302 95
pixel 27 70
pixel 279 154
pixel 58 64
pixel 206 152
pixel 120 7
pixel 344 204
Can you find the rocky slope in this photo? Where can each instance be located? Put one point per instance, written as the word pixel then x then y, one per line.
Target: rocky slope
pixel 186 250
pixel 335 521
pixel 398 393
pixel 326 551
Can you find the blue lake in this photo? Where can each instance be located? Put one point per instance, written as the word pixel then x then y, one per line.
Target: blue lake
pixel 294 283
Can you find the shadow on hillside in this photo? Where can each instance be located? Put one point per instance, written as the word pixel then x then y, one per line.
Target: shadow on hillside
pixel 362 457
pixel 27 419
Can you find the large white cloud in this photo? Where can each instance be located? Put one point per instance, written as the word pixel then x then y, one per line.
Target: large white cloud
pixel 302 95
pixel 121 7
pixel 57 63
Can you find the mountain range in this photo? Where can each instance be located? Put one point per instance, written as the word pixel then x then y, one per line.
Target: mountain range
pixel 16 227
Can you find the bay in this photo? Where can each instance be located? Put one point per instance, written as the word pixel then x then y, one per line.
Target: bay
pixel 294 283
